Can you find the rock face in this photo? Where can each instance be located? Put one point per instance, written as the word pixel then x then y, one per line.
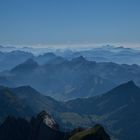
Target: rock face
pixel 48 120
pixel 43 127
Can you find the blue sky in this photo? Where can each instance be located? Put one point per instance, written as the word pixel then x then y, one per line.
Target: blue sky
pixel 69 21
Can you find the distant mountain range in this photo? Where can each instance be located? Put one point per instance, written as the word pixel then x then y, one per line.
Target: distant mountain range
pixel 8 60
pixel 114 109
pixel 68 79
pixel 106 53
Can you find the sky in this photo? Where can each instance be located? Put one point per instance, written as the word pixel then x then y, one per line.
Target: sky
pixel 69 21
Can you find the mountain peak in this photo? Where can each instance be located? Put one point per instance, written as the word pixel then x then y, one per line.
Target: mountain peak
pixel 50 54
pixel 25 90
pixel 30 61
pixel 28 65
pixel 79 59
pixel 128 88
pixel 130 84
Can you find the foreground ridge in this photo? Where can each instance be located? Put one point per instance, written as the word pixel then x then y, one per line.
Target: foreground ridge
pixel 43 127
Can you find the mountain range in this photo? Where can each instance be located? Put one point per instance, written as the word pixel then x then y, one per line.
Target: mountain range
pixel 77 77
pixel 77 88
pixel 83 112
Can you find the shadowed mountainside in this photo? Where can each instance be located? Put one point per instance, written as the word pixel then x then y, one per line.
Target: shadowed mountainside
pixel 115 109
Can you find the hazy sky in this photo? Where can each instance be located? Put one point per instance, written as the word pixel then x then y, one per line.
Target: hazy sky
pixel 69 21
